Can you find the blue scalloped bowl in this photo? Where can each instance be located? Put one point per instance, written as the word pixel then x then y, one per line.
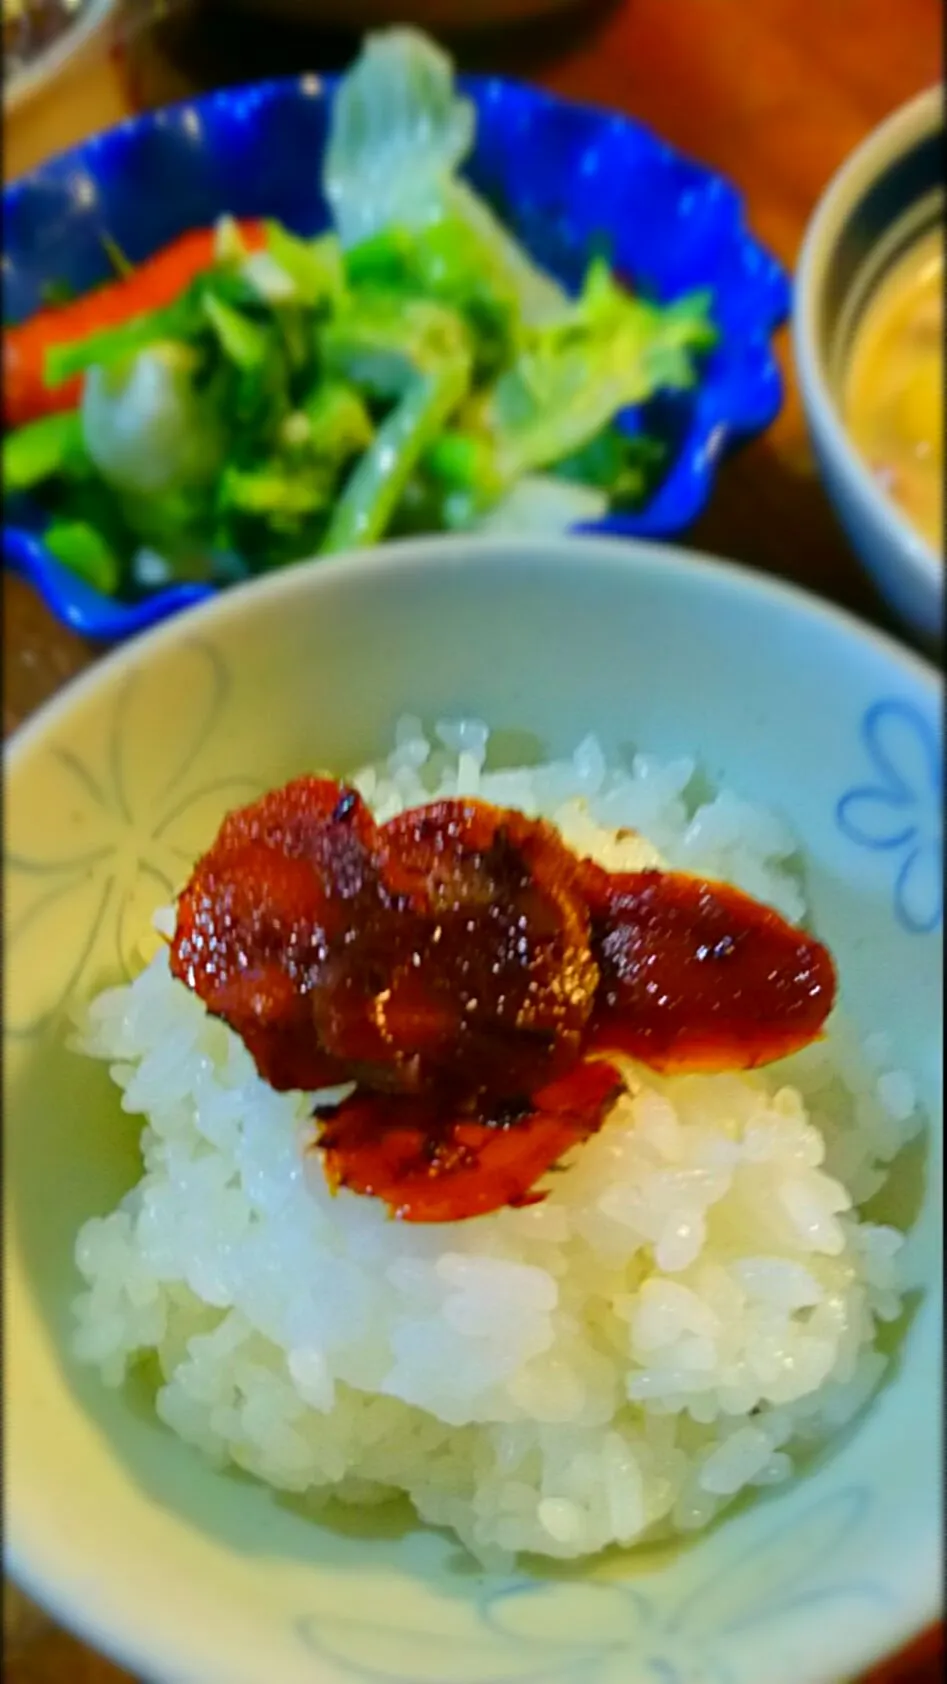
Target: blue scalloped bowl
pixel 562 175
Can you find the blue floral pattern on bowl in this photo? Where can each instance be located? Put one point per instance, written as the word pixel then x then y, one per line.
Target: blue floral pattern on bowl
pixel 565 177
pixel 899 811
pixel 585 1630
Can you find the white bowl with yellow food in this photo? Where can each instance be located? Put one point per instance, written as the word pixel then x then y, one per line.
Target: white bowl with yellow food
pixel 869 338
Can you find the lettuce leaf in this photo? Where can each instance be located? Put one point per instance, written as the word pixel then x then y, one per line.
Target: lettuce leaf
pixel 314 267
pixel 445 262
pixel 380 340
pixel 398 135
pixel 539 506
pixel 147 427
pixel 611 350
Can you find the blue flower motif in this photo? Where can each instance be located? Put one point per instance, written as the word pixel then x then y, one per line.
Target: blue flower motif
pixel 900 810
pixel 576 1628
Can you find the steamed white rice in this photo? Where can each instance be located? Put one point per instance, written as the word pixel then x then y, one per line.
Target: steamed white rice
pixel 696 1300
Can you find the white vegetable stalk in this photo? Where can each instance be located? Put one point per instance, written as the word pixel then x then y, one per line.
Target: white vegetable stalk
pixel 145 428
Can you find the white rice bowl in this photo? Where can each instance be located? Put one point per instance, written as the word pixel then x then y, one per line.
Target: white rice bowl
pixel 695 1304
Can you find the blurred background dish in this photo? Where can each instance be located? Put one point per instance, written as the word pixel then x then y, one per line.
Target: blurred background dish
pixel 62 76
pixel 455 16
pixel 29 27
pixel 868 334
pixel 892 385
pixel 566 179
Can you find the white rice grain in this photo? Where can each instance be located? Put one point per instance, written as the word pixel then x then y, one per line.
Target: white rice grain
pixel 695 1300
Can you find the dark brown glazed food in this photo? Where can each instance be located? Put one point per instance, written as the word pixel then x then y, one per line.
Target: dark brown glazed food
pixel 471 974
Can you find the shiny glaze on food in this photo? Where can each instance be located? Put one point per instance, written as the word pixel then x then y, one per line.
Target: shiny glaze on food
pixel 471 975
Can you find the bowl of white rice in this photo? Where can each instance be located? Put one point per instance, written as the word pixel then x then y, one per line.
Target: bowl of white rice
pixel 675 1422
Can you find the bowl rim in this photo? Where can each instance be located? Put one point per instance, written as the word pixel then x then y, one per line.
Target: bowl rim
pixel 720 573
pixel 919 117
pixel 75 38
pixel 31 1561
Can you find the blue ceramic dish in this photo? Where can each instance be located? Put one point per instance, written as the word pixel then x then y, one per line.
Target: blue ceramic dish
pixel 563 176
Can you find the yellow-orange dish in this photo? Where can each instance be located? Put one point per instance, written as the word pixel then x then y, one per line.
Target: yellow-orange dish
pixel 894 390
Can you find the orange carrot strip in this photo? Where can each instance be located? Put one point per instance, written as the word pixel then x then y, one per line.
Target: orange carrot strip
pixel 152 285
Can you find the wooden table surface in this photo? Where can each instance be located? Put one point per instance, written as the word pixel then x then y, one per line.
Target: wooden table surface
pixel 774 93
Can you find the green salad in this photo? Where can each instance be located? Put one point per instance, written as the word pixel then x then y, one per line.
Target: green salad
pixel 410 370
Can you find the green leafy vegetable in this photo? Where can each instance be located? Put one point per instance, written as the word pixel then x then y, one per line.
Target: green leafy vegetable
pixel 240 339
pixel 466 462
pixel 410 369
pixel 180 522
pixel 610 351
pixel 107 346
pixel 82 549
pixel 400 132
pixel 42 450
pixel 445 261
pixel 314 267
pixel 147 427
pixel 287 498
pixel 380 477
pixel 230 248
pixel 339 424
pixel 380 340
pixel 625 466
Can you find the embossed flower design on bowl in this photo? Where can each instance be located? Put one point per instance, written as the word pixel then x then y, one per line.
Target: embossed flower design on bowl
pixel 136 824
pixel 898 810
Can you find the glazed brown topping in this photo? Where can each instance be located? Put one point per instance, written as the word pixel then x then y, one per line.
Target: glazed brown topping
pixel 459 964
pixel 494 982
pixel 264 914
pixel 449 950
pixel 697 976
pixel 432 1163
